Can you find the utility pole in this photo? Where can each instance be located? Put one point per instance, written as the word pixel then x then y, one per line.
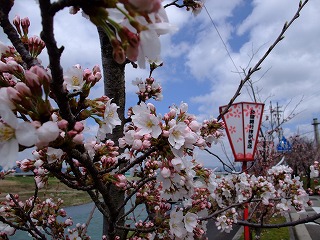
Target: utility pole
pixel 275 115
pixel 316 130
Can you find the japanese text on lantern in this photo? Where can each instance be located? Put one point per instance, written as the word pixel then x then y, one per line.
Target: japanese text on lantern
pixel 251 126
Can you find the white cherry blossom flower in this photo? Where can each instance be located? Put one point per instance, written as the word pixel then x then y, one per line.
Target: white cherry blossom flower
pixel 6 229
pixel 313 172
pixel 176 135
pixel 111 119
pixel 73 78
pixel 48 132
pixel 4 98
pixel 53 154
pixel 146 122
pixel 190 221
pixel 13 133
pixel 284 205
pixel 177 226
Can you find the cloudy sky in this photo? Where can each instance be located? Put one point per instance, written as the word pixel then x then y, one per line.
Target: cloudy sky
pixel 197 68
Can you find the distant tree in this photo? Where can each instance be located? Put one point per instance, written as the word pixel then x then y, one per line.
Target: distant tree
pixel 304 152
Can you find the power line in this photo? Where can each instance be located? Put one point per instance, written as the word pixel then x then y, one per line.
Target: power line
pixel 224 44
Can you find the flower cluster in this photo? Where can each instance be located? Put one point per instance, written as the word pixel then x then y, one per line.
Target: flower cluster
pixel 35 44
pixel 133 27
pixel 47 216
pixel 76 79
pixel 148 89
pixel 178 194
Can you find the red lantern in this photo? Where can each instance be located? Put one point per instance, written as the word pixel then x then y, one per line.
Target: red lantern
pixel 243 122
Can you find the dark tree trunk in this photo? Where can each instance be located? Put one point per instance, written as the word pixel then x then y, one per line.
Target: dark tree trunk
pixel 114 87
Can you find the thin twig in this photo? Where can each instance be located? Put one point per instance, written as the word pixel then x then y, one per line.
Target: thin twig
pixel 257 66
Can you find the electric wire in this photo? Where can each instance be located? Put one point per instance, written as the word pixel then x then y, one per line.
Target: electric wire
pixel 223 42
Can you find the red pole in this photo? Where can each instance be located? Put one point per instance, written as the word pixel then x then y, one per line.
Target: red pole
pixel 246 209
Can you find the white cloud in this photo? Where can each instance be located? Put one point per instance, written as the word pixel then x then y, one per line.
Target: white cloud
pixel 197 68
pixel 290 72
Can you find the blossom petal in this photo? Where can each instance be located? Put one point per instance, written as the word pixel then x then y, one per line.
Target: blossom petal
pixel 9 151
pixel 48 132
pixel 8 116
pixel 5 228
pixel 26 134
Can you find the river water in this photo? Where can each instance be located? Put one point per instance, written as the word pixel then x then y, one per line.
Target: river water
pixel 79 214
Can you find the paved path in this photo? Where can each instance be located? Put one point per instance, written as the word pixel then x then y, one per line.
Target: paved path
pixel 308 231
pixel 214 234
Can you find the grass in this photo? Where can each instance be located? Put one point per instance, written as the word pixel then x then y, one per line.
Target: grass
pixel 24 186
pixel 274 233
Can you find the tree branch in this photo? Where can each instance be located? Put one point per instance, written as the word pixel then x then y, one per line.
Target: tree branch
pixel 47 34
pixel 13 36
pixel 257 66
pixel 287 224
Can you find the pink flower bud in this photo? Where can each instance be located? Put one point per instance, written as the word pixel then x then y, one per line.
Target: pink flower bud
pixel 23 89
pixel 68 222
pixel 146 144
pixel 32 79
pixel 86 73
pixel 194 126
pixel 72 133
pixel 119 55
pixel 172 113
pixel 36 45
pixel 121 180
pixel 14 67
pixel 43 75
pixel 13 94
pixel 78 139
pixel 137 144
pixel 63 124
pixel 151 107
pixel 132 53
pixel 96 69
pixel 16 21
pixel 3 67
pixel 146 6
pixel 165 172
pixel 62 212
pixel 25 24
pixel 78 126
pixel 97 76
pixel 165 133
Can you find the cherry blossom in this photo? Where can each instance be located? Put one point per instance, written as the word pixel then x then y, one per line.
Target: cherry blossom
pixel 13 133
pixel 53 154
pixel 177 134
pixel 47 132
pixel 111 119
pixel 6 229
pixel 147 123
pixel 73 78
pixel 178 192
pixel 177 226
pixel 190 221
pixel 148 6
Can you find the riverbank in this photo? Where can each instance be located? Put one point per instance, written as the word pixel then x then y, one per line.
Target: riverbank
pixel 24 186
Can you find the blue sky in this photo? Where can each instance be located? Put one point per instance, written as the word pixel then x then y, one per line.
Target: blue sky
pixel 197 69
